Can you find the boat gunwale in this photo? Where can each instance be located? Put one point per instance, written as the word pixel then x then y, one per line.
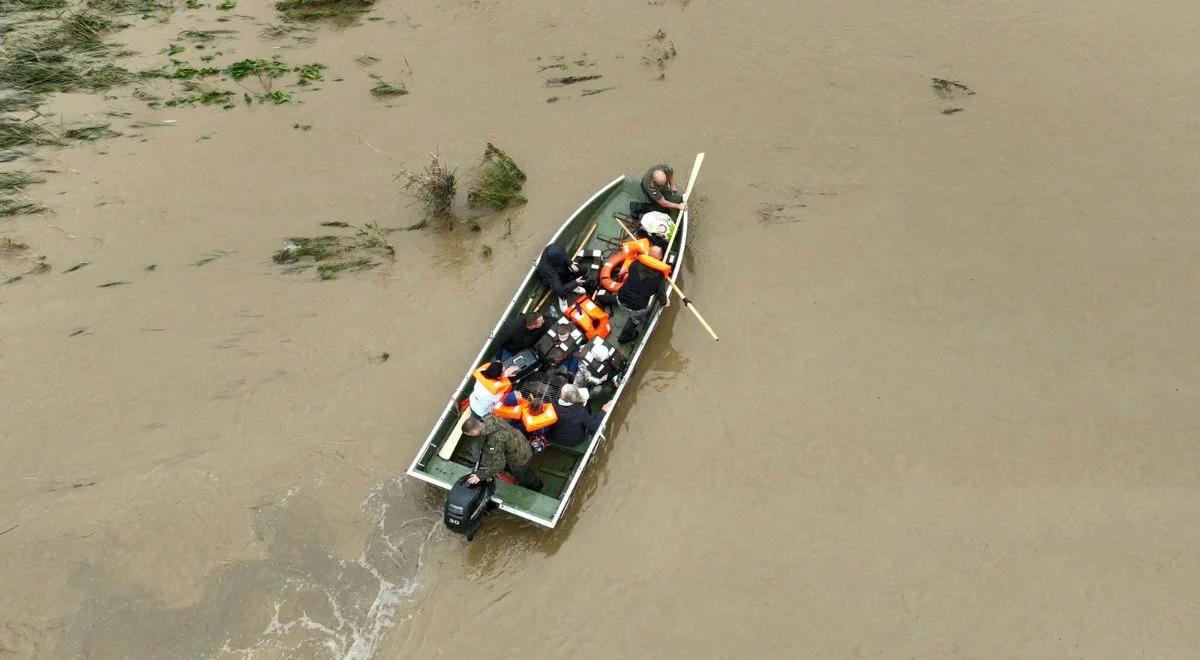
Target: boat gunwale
pixel 450 406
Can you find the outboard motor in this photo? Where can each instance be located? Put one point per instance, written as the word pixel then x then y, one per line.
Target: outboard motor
pixel 466 504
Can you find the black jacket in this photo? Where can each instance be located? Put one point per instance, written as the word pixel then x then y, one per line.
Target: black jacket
pixel 574 424
pixel 514 337
pixel 554 270
pixel 642 283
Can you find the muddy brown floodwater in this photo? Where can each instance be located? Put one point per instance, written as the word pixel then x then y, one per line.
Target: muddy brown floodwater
pixel 953 412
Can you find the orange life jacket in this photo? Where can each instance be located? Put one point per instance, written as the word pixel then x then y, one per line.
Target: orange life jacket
pixel 635 247
pixel 513 412
pixel 589 317
pixel 614 284
pixel 498 386
pixel 541 420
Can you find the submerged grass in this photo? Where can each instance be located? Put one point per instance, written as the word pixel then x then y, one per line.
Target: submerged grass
pixel 11 182
pixel 500 181
pixel 340 11
pixel 334 254
pixel 67 57
pixel 17 133
pixel 90 133
pixel 434 187
pixel 10 207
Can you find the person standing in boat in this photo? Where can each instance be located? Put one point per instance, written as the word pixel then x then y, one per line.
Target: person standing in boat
pixel 556 271
pixel 504 449
pixel 637 293
pixel 659 186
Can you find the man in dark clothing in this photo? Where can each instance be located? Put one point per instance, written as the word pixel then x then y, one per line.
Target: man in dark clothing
pixel 658 183
pixel 503 448
pixel 643 284
pixel 519 333
pixel 575 424
pixel 556 271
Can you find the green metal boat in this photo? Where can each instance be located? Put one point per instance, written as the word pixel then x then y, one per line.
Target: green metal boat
pixel 442 459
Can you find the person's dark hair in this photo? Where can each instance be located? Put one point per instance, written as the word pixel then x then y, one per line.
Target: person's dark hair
pixel 537 407
pixel 472 427
pixel 494 369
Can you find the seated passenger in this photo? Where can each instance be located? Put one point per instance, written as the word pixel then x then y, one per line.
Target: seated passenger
pixel 556 271
pixel 519 333
pixel 596 368
pixel 641 286
pixel 575 424
pixel 492 388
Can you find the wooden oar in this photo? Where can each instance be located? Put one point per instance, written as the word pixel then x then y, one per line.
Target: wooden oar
pixel 687 192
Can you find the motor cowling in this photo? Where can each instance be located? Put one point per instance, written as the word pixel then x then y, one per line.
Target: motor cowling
pixel 466 506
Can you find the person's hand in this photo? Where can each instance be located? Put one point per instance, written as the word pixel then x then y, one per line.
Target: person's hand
pixel 511 370
pixel 574 268
pixel 608 406
pixel 473 479
pixel 682 206
pixel 579 281
pixel 579 289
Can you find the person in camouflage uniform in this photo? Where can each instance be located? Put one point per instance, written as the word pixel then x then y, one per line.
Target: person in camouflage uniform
pixel 659 186
pixel 503 447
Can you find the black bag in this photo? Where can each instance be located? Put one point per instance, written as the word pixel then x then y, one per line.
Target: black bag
pixel 638 209
pixel 526 363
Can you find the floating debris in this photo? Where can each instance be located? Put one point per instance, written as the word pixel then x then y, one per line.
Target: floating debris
pixel 486 250
pixel 382 88
pixel 311 72
pixel 593 92
pixel 335 223
pixel 950 89
pixel 77 266
pixel 434 188
pixel 366 60
pixel 950 111
pixel 108 284
pixel 570 80
pixel 210 257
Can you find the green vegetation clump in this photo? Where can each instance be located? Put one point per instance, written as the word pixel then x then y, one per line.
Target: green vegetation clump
pixel 340 11
pixel 265 70
pixel 434 188
pixel 500 181
pixel 311 72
